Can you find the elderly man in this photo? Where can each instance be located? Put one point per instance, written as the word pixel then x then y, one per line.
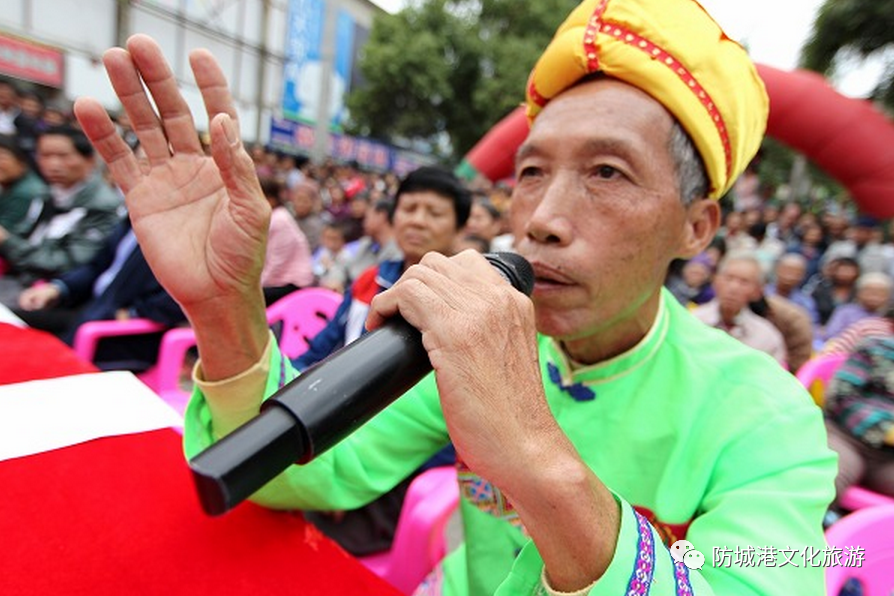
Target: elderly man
pixel 873 298
pixel 789 274
pixel 739 281
pixel 593 420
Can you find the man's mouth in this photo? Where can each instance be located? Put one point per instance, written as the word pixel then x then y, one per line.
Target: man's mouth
pixel 547 276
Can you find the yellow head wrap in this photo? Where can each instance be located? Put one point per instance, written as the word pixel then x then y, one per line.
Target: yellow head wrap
pixel 674 51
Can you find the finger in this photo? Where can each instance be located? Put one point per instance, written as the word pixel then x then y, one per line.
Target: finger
pixel 237 170
pixel 119 158
pixel 176 119
pixel 469 266
pixel 421 295
pixel 129 89
pixel 213 85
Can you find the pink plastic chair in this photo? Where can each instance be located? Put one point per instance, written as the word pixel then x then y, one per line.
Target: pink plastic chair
pixel 90 333
pixel 815 375
pixel 419 542
pixel 303 313
pixel 160 378
pixel 872 530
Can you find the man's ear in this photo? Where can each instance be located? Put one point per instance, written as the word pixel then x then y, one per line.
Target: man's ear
pixel 702 223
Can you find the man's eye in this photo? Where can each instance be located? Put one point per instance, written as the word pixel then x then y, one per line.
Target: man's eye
pixel 528 171
pixel 606 172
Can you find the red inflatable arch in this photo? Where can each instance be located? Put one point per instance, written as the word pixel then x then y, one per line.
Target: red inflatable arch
pixel 848 138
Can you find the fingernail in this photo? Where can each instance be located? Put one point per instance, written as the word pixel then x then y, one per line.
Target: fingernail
pixel 230 131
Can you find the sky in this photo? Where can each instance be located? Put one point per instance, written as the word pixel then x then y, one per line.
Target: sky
pixel 773 31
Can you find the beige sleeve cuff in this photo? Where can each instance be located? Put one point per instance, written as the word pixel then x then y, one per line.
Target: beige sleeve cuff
pixel 235 400
pixel 550 591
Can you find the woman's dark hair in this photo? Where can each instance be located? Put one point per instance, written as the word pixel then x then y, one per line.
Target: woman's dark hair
pixel 442 182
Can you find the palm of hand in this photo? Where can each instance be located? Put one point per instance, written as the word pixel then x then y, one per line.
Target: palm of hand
pixel 195 236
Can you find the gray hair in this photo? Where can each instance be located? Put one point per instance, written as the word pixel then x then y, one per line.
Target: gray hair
pixel 744 256
pixel 875 279
pixel 792 258
pixel 692 178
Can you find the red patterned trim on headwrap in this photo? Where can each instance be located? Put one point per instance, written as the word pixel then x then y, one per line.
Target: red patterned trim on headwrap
pixel 666 58
pixel 533 94
pixel 593 26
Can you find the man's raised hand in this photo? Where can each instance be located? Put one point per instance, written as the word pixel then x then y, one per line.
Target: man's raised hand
pixel 201 221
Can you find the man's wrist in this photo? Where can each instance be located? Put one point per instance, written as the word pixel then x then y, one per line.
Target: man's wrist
pixel 231 334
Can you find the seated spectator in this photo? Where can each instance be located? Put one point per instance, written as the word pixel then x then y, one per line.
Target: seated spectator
pixel 863 246
pixel 835 286
pixel 288 264
pixel 116 284
pixel 783 228
pixel 768 249
pixel 859 411
pixel 692 285
pixel 23 190
pixel 793 323
pixel 715 251
pixel 471 242
pixel 735 235
pixel 9 107
pixel 358 205
pixel 873 298
pixel 376 246
pixel 738 282
pixel 29 124
pixel 790 272
pixel 73 223
pixel 431 207
pixel 810 245
pixel 305 203
pixel 484 221
pixel 332 246
pixel 335 201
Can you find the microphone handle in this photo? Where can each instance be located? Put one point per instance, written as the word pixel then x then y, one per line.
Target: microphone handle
pixel 357 382
pixel 323 405
pixel 311 414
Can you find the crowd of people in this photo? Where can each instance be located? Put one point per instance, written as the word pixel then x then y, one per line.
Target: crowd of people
pixel 615 203
pixel 68 254
pixel 827 271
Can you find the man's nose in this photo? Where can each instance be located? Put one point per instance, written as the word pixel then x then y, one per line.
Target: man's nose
pixel 549 222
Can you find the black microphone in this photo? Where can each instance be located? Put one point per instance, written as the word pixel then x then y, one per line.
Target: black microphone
pixel 323 405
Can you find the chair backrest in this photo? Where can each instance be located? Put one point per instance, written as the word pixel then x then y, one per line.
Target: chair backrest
pixel 302 314
pixel 419 543
pixel 866 538
pixel 816 373
pixel 89 333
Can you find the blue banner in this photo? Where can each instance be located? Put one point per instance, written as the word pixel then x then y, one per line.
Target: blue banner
pixel 290 136
pixel 341 76
pixel 302 72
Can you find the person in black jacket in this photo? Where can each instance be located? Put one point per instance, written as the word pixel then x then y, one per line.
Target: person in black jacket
pixel 116 284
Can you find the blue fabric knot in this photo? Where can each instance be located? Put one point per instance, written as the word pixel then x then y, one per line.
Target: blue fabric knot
pixel 578 391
